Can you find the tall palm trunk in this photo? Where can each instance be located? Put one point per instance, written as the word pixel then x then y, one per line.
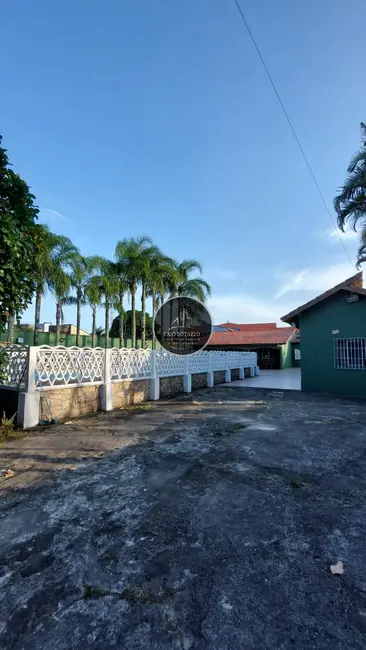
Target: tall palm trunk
pixel 143 316
pixel 58 320
pixel 153 319
pixel 133 309
pixel 106 334
pixel 10 337
pixel 94 319
pixel 37 316
pixel 121 332
pixel 78 316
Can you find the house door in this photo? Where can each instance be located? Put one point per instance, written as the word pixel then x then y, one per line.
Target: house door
pixel 269 358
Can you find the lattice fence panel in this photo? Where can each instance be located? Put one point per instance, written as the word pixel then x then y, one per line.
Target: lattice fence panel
pixel 218 360
pixel 63 366
pixel 169 365
pixel 198 362
pixel 16 367
pixel 130 364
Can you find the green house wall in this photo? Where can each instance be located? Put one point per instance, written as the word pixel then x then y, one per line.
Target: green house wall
pixel 286 355
pixel 317 347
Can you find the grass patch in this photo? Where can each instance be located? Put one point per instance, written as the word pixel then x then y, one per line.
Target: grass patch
pixel 7 431
pixel 139 407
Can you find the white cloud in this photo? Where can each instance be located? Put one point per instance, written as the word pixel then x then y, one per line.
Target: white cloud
pixel 53 213
pixel 224 274
pixel 315 279
pixel 246 308
pixel 334 234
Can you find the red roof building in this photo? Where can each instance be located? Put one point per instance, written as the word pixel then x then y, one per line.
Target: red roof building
pixel 271 343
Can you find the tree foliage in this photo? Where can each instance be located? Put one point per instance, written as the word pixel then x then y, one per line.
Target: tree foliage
pixel 113 333
pixel 19 240
pixel 350 203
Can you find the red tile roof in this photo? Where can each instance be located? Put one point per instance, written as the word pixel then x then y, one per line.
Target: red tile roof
pixel 250 327
pixel 352 285
pixel 270 337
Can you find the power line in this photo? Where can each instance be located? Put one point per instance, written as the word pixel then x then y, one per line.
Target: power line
pixel 291 127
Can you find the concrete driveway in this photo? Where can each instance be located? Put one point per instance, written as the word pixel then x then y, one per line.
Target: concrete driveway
pixel 286 379
pixel 215 528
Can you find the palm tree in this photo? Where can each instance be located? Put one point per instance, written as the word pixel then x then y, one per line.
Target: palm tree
pixel 54 253
pixel 130 264
pixel 350 203
pixel 81 272
pixel 99 332
pixel 118 302
pixel 60 286
pixel 162 275
pixel 108 283
pixel 191 287
pixel 92 292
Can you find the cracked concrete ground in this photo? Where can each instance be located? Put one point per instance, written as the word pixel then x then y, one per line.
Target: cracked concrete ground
pixel 212 526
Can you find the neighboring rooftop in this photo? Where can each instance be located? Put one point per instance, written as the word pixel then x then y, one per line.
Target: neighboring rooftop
pixel 351 285
pixel 248 327
pixel 273 336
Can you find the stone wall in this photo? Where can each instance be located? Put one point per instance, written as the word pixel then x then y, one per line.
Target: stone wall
pixel 235 374
pixel 219 377
pixel 69 402
pixel 127 393
pixel 170 386
pixel 199 380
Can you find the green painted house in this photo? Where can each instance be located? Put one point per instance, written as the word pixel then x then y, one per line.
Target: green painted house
pixel 332 330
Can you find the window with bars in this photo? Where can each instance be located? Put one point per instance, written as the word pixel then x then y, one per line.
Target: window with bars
pixel 350 354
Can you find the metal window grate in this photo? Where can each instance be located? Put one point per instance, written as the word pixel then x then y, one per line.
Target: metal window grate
pixel 350 354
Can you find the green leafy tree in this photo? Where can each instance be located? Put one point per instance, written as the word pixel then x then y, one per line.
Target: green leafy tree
pixel 350 203
pixel 128 325
pixel 19 240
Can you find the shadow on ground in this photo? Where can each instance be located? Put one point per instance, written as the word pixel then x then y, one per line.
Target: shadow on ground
pixel 212 524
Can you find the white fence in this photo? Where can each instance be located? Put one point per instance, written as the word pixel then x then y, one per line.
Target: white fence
pixel 67 366
pixel 32 370
pixel 62 366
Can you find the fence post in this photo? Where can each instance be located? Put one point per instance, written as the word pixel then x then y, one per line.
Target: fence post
pixel 187 379
pixel 106 389
pixel 241 366
pixel 227 371
pixel 210 375
pixel 155 380
pixel 29 399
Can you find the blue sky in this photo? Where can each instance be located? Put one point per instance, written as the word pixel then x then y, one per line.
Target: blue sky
pixel 156 117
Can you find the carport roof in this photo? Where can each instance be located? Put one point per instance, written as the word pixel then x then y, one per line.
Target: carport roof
pixel 352 285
